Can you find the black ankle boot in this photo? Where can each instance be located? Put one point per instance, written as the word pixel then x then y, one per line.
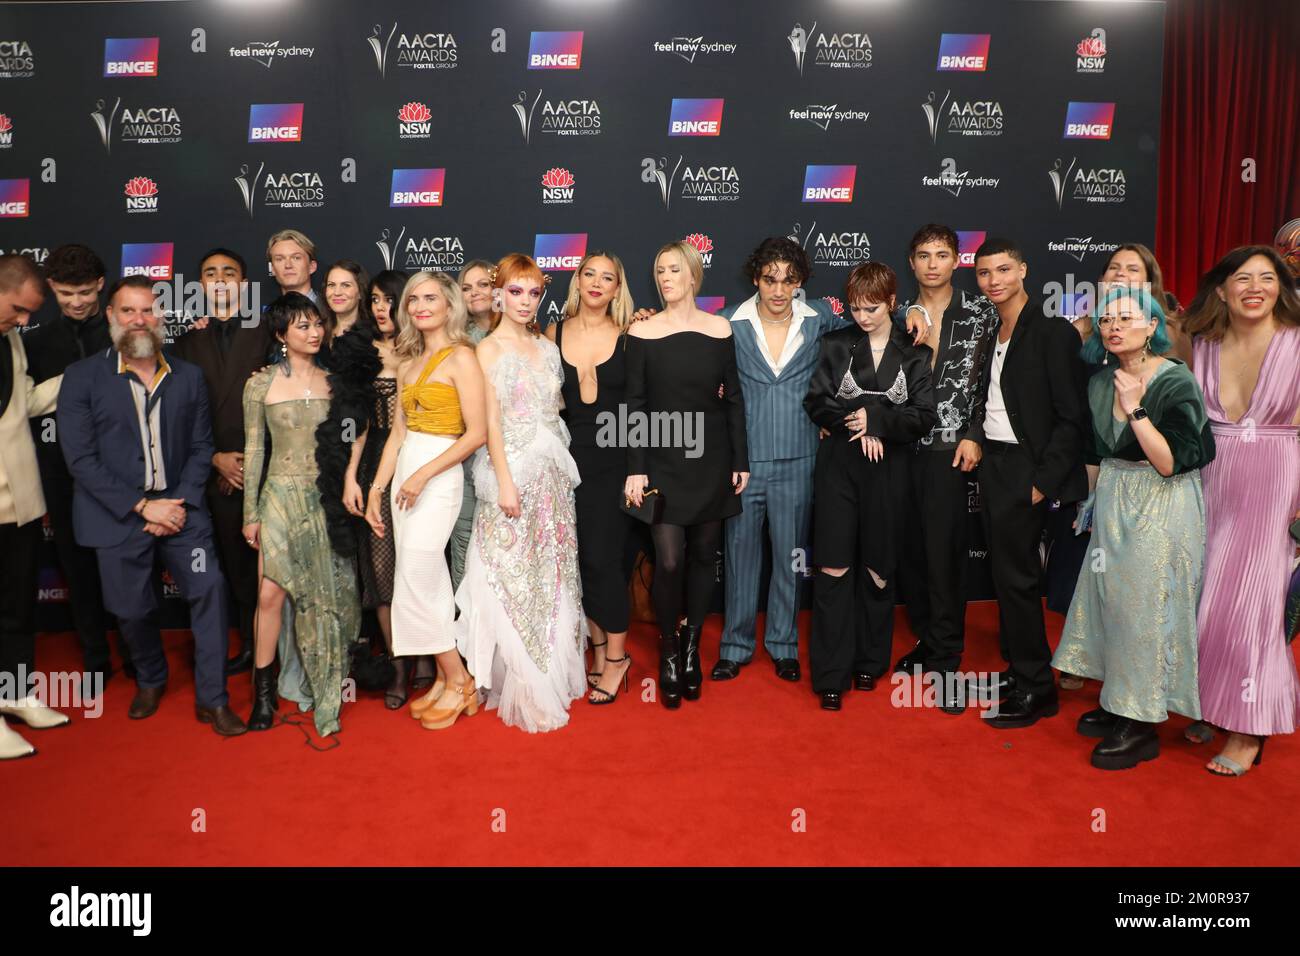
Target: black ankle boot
pixel 692 675
pixel 242 661
pixel 670 688
pixel 265 702
pixel 1128 744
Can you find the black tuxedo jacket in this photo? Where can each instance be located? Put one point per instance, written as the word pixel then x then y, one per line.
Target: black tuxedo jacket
pixel 226 374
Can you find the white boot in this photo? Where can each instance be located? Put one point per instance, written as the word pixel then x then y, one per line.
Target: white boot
pixel 11 745
pixel 33 713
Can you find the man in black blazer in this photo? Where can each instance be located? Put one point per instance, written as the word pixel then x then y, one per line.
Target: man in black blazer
pixel 1035 422
pixel 229 349
pixel 136 436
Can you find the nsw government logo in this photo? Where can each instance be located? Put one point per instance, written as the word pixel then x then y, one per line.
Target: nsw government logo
pixel 688 48
pixel 695 117
pixel 433 253
pixel 557 187
pixel 414 121
pixel 962 117
pixel 137 56
pixel 559 117
pixel 963 51
pixel 952 181
pixel 150 259
pixel 293 189
pixel 1090 54
pixel 141 194
pixel 417 187
pixel 275 123
pixel 703 245
pixel 6 132
pixel 1107 185
pixel 829 183
pixel 555 50
pixel 416 51
pixel 822 115
pixel 559 251
pixel 16 60
pixel 838 50
pixel 15 198
pixel 143 125
pixel 1089 120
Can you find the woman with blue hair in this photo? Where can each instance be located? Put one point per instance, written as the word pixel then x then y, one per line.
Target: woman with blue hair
pixel 1132 622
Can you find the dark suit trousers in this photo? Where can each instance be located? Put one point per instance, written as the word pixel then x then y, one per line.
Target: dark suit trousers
pixel 82 573
pixel 934 574
pixel 20 545
pixel 238 560
pixel 1014 530
pixel 190 555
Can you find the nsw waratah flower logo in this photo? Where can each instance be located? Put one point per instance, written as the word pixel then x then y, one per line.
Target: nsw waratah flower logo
pixel 413 121
pixel 703 245
pixel 557 186
pixel 141 194
pixel 6 131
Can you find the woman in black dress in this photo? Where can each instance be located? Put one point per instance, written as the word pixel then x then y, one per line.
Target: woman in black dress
pixel 871 391
pixel 685 440
pixel 593 357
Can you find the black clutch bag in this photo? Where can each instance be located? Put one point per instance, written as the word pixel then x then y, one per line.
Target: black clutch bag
pixel 651 510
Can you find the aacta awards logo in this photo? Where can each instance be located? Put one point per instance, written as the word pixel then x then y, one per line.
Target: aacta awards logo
pixel 963 117
pixel 700 183
pixel 133 57
pixel 829 183
pixel 559 251
pixel 560 117
pixel 557 186
pixel 150 259
pixel 555 50
pixel 836 249
pixel 144 126
pixel 417 187
pixel 1090 54
pixel 16 60
pixel 413 121
pixel 6 131
pixel 703 245
pixel 416 51
pixel 839 50
pixel 1099 185
pixel 15 198
pixel 433 253
pixel 275 123
pixel 297 189
pixel 695 117
pixel 963 51
pixel 1089 120
pixel 141 194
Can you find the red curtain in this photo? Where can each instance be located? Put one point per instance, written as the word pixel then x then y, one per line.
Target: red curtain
pixel 1231 93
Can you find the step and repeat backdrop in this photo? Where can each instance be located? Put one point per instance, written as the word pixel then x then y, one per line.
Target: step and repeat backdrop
pixel 414 135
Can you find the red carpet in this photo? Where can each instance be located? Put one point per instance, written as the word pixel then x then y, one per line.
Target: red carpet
pixel 718 782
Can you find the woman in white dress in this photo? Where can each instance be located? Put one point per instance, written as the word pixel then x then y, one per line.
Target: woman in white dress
pixel 521 628
pixel 440 421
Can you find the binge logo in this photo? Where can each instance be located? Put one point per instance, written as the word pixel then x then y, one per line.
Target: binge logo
pixel 133 57
pixel 1089 120
pixel 6 131
pixel 152 259
pixel 967 243
pixel 417 187
pixel 15 198
pixel 555 50
pixel 963 51
pixel 691 117
pixel 141 194
pixel 711 303
pixel 559 251
pixel 829 183
pixel 275 123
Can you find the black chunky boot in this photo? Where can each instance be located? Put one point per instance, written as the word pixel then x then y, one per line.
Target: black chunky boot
pixel 670 688
pixel 692 676
pixel 265 702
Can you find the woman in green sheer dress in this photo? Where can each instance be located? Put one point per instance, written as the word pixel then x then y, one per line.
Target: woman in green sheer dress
pixel 285 522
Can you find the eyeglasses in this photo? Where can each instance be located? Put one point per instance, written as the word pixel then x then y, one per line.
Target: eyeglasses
pixel 1122 321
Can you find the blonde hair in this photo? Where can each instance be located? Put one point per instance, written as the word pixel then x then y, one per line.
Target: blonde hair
pixel 292 235
pixel 620 307
pixel 694 264
pixel 410 340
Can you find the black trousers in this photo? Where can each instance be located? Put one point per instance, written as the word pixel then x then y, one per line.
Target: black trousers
pixel 81 570
pixel 1013 527
pixel 20 545
pixel 852 628
pixel 933 576
pixel 238 560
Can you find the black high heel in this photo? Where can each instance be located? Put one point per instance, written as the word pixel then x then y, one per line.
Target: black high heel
pixel 670 689
pixel 605 696
pixel 692 676
pixel 593 677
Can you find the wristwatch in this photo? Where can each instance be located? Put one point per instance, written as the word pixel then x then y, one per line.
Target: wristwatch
pixel 1137 414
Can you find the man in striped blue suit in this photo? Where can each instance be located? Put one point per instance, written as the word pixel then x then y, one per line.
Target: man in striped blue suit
pixel 777 335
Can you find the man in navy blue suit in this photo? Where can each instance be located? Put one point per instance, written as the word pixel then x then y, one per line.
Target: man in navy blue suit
pixel 135 431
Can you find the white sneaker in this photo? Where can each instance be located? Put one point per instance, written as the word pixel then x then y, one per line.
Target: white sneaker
pixel 11 745
pixel 33 713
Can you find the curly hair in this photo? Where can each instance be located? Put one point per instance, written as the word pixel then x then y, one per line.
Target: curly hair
pixel 779 249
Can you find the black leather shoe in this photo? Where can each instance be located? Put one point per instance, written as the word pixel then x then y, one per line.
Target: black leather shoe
pixel 145 703
pixel 725 670
pixel 911 660
pixel 952 692
pixel 1019 709
pixel 787 668
pixel 670 687
pixel 864 681
pixel 1128 744
pixel 223 720
pixel 1096 723
pixel 242 661
pixel 831 700
pixel 692 674
pixel 265 701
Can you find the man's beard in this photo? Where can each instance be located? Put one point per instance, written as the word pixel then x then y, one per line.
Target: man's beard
pixel 136 343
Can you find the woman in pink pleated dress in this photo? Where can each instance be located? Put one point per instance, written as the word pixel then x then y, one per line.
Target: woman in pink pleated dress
pixel 1245 330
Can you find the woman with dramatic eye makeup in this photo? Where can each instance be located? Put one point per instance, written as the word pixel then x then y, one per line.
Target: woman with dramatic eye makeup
pixel 592 344
pixel 520 627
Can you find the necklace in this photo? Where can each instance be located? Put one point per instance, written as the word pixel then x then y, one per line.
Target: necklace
pixel 784 321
